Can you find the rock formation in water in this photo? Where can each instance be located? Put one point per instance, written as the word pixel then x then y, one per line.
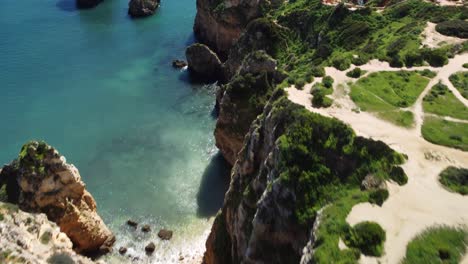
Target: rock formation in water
pixel 267 216
pixel 87 3
pixel 142 8
pixel 41 181
pixel 219 24
pixel 32 238
pixel 203 62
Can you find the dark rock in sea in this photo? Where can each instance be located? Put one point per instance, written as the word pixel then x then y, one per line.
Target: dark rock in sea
pixel 87 3
pixel 203 62
pixel 165 234
pixel 132 223
pixel 150 248
pixel 179 64
pixel 122 250
pixel 142 8
pixel 146 228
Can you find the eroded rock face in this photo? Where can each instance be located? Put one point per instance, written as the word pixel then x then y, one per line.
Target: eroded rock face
pixel 46 183
pixel 142 8
pixel 203 61
pixel 87 3
pixel 219 23
pixel 32 238
pixel 254 78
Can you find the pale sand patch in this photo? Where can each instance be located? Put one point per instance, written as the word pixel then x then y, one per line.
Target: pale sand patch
pixel 433 39
pixel 422 202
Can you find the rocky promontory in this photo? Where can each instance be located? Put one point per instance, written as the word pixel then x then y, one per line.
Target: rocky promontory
pixel 203 62
pixel 41 181
pixel 142 8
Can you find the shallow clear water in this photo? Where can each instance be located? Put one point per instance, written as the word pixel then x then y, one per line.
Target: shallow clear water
pixel 99 87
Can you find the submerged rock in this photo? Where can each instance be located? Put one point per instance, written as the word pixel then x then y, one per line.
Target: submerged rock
pixel 146 228
pixel 150 248
pixel 179 64
pixel 132 223
pixel 122 250
pixel 87 3
pixel 165 234
pixel 142 8
pixel 46 183
pixel 203 61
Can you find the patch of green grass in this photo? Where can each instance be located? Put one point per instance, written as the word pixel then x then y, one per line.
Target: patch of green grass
pixel 460 81
pixel 398 117
pixel 437 245
pixel 441 101
pixel 455 179
pixel 465 65
pixel 446 133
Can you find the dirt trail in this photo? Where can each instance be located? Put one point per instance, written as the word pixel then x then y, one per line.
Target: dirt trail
pixel 422 202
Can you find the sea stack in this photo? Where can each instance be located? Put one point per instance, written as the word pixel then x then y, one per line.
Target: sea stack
pixel 41 181
pixel 87 3
pixel 142 8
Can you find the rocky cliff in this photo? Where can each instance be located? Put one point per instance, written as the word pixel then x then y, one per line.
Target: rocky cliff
pixel 219 23
pixel 142 8
pixel 41 181
pixel 32 238
pixel 292 163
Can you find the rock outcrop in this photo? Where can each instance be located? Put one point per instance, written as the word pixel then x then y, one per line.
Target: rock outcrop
pixel 87 3
pixel 203 62
pixel 286 166
pixel 219 24
pixel 142 8
pixel 241 100
pixel 41 181
pixel 32 238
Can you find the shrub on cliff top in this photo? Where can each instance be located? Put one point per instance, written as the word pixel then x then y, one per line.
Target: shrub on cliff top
pixel 366 236
pixel 378 196
pixel 455 179
pixel 455 28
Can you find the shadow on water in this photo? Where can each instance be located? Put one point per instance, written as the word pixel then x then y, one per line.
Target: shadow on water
pixel 213 186
pixel 67 5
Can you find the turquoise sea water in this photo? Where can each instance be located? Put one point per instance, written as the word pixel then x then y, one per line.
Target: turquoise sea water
pixel 99 87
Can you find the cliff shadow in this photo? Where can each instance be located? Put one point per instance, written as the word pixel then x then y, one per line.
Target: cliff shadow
pixel 67 5
pixel 213 186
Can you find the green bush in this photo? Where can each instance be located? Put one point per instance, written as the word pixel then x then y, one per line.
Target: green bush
pixel 319 98
pixel 366 236
pixel 398 175
pixel 355 73
pixel 360 60
pixel 465 65
pixel 460 81
pixel 427 73
pixel 341 63
pixel 317 71
pixel 435 57
pixel 327 81
pixel 300 83
pixel 456 179
pixel 378 196
pixel 455 28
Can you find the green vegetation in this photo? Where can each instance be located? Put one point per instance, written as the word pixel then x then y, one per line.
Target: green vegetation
pixel 378 196
pixel 465 65
pixel 319 95
pixel 455 28
pixel 398 175
pixel 45 237
pixel 327 81
pixel 441 101
pixel 355 73
pixel 437 245
pixel 446 133
pixel 427 73
pixel 460 81
pixel 366 236
pixel 455 179
pixel 384 93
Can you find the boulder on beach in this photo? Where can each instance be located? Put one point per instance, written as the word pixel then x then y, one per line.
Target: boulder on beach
pixel 165 234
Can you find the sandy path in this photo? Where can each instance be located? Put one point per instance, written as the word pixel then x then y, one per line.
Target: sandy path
pixel 433 39
pixel 422 202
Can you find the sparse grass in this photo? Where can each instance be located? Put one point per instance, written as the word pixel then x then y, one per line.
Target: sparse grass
pixel 446 133
pixel 437 245
pixel 398 117
pixel 455 179
pixel 441 101
pixel 460 81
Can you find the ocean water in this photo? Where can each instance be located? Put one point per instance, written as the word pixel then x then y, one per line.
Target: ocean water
pixel 99 87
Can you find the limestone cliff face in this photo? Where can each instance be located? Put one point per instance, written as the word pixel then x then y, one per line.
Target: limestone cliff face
pixel 219 23
pixel 41 181
pixel 32 238
pixel 253 80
